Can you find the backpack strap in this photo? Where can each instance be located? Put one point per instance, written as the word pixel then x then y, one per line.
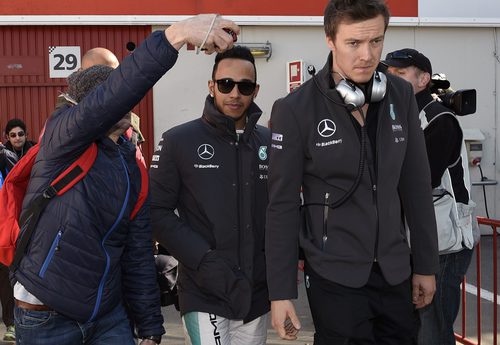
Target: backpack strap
pixel 67 179
pixel 75 172
pixel 143 193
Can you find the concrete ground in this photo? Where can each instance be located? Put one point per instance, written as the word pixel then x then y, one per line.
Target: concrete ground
pixel 175 334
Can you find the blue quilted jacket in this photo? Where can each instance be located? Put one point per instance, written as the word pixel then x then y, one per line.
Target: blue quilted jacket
pixel 86 255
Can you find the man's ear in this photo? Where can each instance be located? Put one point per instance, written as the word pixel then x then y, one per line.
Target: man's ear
pixel 256 91
pixel 330 43
pixel 424 79
pixel 211 88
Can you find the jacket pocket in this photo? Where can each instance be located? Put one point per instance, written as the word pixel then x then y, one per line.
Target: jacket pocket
pixel 449 236
pixel 53 248
pixel 464 222
pixel 217 278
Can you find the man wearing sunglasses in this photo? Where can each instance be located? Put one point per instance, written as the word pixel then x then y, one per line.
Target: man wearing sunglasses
pixel 213 171
pixel 15 148
pixel 16 135
pixel 7 161
pixel 451 185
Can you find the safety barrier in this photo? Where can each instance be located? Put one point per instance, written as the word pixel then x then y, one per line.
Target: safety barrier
pixel 462 338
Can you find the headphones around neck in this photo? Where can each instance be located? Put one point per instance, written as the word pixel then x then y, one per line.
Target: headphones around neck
pixel 352 95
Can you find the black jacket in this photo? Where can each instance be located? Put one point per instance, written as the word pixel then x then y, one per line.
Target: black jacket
pixel 7 161
pixel 443 139
pixel 218 185
pixel 27 145
pixel 368 227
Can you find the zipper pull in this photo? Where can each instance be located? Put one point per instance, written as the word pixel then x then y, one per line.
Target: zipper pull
pixel 325 221
pixel 59 235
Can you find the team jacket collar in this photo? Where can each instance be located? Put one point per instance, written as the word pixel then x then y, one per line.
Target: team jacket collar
pixel 225 124
pixel 423 98
pixel 325 81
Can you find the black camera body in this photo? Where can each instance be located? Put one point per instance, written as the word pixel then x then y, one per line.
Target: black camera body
pixel 461 102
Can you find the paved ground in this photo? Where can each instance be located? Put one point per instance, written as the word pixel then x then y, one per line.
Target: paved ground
pixel 175 334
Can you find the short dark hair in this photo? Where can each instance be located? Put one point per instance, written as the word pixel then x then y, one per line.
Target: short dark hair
pixel 352 11
pixel 13 123
pixel 237 52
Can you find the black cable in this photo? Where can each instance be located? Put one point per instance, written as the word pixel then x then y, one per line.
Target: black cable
pixel 362 154
pixel 484 191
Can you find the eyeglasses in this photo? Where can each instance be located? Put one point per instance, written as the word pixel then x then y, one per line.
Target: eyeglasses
pixel 399 55
pixel 19 134
pixel 226 85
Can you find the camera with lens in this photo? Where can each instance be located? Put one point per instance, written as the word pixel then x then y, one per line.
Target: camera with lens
pixel 461 102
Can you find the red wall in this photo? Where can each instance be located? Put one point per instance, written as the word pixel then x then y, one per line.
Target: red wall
pixel 399 8
pixel 30 94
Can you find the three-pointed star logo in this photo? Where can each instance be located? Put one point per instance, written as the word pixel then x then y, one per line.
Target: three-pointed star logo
pixel 326 128
pixel 206 151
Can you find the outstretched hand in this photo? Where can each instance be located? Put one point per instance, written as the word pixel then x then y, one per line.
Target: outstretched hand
pixel 204 31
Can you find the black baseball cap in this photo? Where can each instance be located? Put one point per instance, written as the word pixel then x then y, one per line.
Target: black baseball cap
pixel 408 57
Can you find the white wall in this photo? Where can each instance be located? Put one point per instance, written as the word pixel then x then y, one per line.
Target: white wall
pixel 180 95
pixel 459 8
pixel 465 55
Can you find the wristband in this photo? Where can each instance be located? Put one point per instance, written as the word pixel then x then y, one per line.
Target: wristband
pixel 155 338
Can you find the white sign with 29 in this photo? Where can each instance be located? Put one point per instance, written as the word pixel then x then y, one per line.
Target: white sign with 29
pixel 63 60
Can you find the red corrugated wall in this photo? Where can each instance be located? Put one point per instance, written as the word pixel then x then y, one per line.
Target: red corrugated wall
pixel 27 92
pixel 399 8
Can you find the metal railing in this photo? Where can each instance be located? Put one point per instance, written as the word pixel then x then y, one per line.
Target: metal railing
pixel 462 338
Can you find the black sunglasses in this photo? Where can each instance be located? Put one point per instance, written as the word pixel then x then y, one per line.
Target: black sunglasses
pixel 20 134
pixel 226 85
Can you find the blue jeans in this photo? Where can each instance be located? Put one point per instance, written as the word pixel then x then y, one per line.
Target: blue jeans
pixel 50 327
pixel 436 320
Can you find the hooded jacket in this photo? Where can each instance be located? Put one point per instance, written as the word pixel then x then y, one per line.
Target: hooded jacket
pixel 316 147
pixel 86 256
pixel 218 184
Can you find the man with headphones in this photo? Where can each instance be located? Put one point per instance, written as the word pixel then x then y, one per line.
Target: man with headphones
pixel 350 139
pixel 451 185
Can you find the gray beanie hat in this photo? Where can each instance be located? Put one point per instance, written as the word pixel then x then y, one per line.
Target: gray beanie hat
pixel 82 82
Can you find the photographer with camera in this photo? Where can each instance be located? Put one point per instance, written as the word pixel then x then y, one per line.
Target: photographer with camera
pixel 451 184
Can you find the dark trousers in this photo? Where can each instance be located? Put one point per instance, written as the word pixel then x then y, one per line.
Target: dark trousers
pixel 6 297
pixel 375 314
pixel 436 319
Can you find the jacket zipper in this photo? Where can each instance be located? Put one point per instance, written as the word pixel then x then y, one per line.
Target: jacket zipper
pixel 377 230
pixel 108 233
pixel 53 248
pixel 238 200
pixel 326 208
pixel 374 194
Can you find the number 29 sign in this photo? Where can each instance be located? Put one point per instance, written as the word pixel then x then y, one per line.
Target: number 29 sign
pixel 63 60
